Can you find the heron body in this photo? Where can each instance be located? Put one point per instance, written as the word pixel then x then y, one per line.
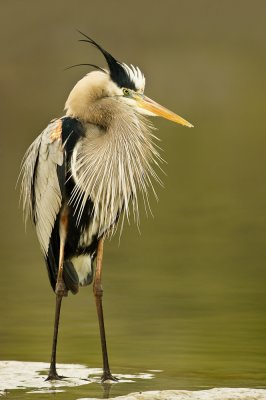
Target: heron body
pixel 84 172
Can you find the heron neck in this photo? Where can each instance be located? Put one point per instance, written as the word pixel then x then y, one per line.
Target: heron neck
pixel 113 163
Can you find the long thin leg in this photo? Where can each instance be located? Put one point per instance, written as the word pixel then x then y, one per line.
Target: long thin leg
pixel 98 293
pixel 52 371
pixel 60 291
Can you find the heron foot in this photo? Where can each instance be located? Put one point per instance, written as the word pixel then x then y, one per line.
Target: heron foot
pixel 54 377
pixel 107 376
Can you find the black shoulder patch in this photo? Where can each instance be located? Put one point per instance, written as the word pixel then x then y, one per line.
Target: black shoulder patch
pixel 72 131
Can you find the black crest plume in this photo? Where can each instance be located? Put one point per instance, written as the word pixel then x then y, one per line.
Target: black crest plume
pixel 117 72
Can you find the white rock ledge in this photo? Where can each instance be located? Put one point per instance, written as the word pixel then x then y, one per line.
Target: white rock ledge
pixel 211 394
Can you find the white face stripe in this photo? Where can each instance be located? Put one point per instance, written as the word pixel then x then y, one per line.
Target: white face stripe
pixel 135 75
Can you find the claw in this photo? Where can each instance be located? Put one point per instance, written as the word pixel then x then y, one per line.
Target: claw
pixel 53 376
pixel 107 376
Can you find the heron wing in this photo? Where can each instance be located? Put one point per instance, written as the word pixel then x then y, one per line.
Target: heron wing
pixel 41 192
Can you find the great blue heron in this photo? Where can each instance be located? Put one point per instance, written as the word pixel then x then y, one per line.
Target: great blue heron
pixel 81 174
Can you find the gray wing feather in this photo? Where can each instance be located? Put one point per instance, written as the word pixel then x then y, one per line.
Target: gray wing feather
pixel 40 191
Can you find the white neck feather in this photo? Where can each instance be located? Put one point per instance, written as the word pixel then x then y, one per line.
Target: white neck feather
pixel 114 166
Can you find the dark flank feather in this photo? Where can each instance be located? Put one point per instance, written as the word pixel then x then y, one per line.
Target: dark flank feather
pixel 72 131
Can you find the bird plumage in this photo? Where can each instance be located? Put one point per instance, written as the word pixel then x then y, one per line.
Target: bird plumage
pixel 116 159
pixel 95 161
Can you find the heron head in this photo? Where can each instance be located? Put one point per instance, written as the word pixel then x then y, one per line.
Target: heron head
pixel 127 84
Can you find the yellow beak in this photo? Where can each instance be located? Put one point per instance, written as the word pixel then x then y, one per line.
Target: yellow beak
pixel 157 109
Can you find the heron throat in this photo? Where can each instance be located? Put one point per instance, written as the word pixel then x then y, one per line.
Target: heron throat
pixel 114 166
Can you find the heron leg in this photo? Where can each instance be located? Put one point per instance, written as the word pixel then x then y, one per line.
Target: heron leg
pixel 53 375
pixel 60 292
pixel 98 293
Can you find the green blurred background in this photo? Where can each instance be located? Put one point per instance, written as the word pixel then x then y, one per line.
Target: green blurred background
pixel 187 296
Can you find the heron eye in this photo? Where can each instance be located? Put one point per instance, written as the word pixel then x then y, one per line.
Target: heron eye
pixel 126 92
